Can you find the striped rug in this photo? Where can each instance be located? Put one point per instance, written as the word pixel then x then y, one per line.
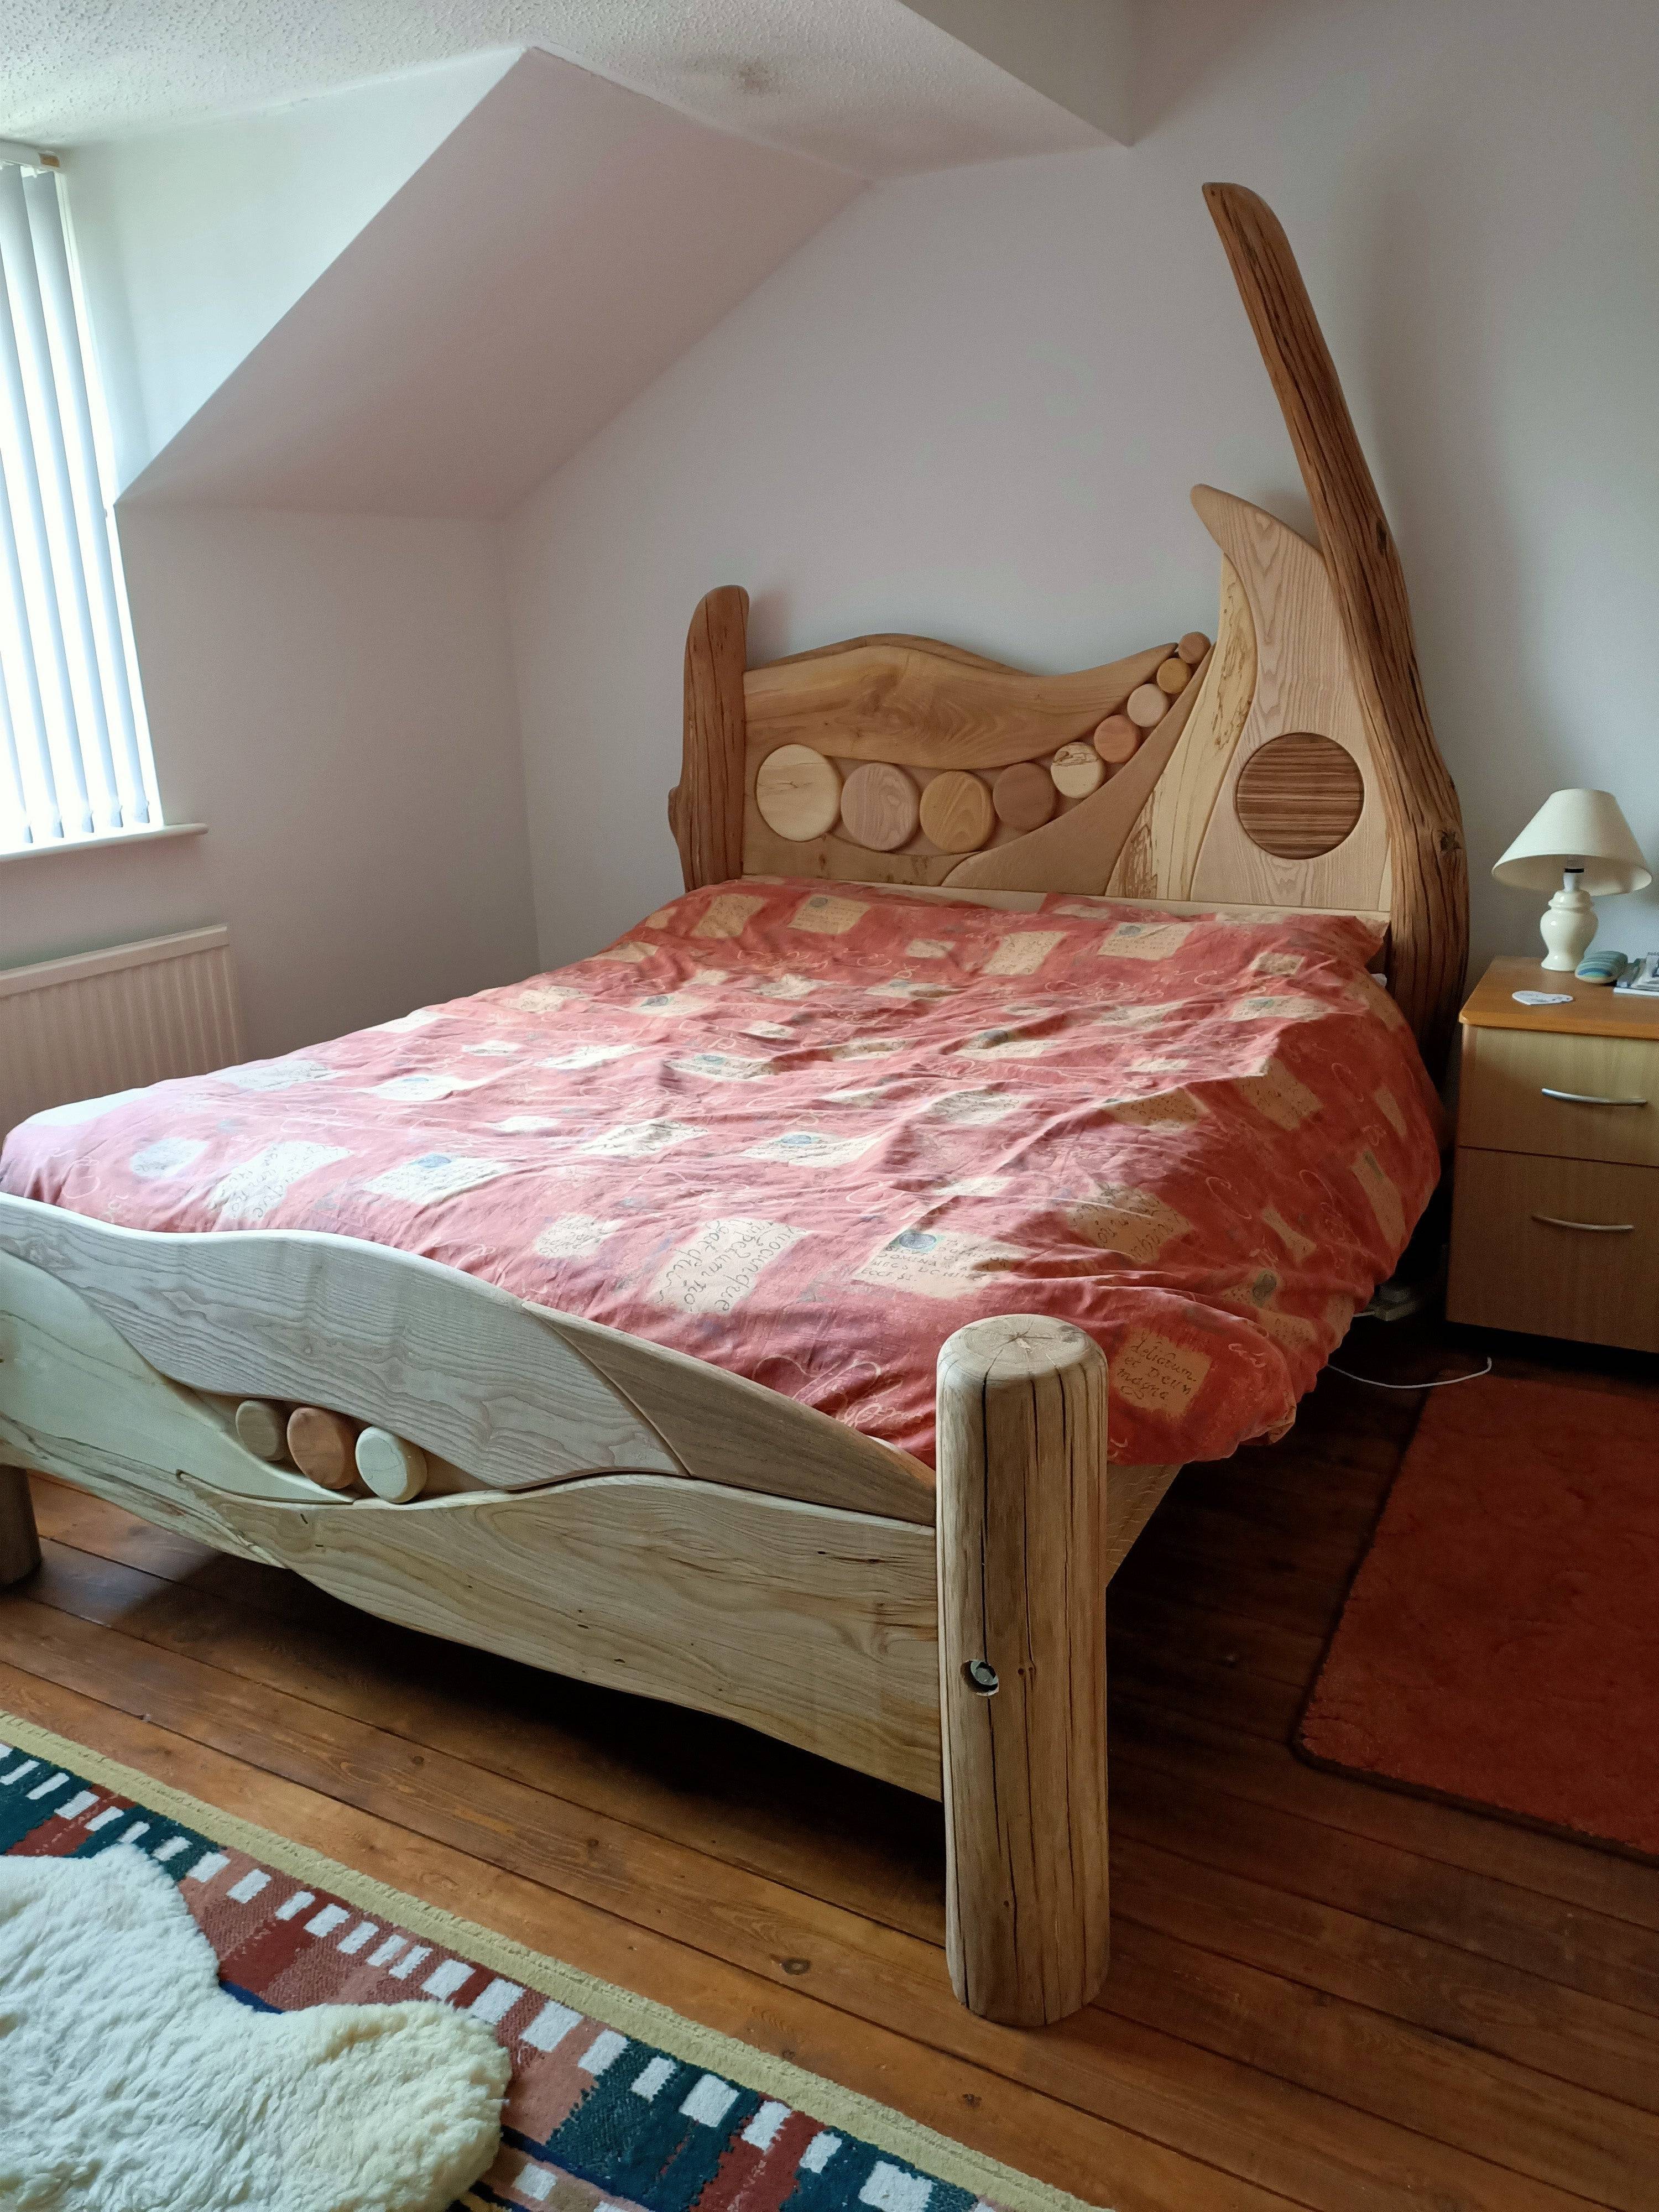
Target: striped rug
pixel 618 2104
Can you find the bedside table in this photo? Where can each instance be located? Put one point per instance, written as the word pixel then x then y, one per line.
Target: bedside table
pixel 1555 1215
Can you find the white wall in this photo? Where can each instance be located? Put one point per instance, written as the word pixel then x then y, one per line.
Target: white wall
pixel 333 695
pixel 974 403
pixel 194 242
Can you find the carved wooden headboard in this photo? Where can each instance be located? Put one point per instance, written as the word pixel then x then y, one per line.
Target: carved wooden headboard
pixel 1289 765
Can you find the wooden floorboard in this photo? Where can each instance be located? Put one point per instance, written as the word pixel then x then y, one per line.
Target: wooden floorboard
pixel 1322 1994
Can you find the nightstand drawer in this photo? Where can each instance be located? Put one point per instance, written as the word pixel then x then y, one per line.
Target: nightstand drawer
pixel 1557 1248
pixel 1580 1097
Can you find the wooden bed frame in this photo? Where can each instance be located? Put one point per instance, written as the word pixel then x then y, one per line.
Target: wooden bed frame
pixel 598 1506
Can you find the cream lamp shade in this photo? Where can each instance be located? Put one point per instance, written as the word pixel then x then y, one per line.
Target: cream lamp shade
pixel 1579 846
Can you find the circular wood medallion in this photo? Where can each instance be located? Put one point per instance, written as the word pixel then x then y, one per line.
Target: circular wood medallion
pixel 1193 647
pixel 1077 769
pixel 1298 796
pixel 1147 705
pixel 1115 740
pixel 1173 676
pixel 956 811
pixel 798 793
pixel 880 807
pixel 1023 795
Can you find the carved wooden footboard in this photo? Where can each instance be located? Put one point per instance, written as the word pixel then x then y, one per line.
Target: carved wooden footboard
pixel 605 1508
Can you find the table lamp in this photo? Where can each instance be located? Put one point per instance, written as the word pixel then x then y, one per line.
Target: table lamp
pixel 1578 845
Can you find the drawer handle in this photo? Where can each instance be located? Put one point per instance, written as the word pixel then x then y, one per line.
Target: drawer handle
pixel 1601 1228
pixel 1583 1099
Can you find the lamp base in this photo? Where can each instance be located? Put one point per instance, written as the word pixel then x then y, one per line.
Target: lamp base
pixel 1568 928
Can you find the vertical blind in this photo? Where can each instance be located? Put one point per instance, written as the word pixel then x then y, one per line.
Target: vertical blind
pixel 74 753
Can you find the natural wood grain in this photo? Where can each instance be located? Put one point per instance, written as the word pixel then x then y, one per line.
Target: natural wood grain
pixel 1022 1579
pixel 20 1545
pixel 1025 796
pixel 1116 740
pixel 1147 705
pixel 76 1398
pixel 705 809
pixel 1298 796
pixel 262 1427
pixel 1159 858
pixel 956 812
pixel 1512 1269
pixel 451 1363
pixel 1302 684
pixel 1430 936
pixel 880 807
pixel 1077 851
pixel 926 706
pixel 1173 676
pixel 797 793
pixel 394 1470
pixel 1503 1101
pixel 815 1626
pixel 1591 1011
pixel 1077 769
pixel 735 1433
pixel 323 1445
pixel 1193 647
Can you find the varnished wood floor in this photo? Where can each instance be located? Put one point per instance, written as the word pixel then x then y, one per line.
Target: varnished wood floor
pixel 1321 1993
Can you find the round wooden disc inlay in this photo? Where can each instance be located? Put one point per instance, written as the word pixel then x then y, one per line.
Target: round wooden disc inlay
pixel 798 793
pixel 1299 795
pixel 1023 795
pixel 956 811
pixel 880 807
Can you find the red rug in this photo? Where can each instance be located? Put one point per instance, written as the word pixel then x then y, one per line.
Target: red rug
pixel 1500 1645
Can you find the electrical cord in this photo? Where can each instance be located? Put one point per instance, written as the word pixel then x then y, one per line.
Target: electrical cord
pixel 1445 1381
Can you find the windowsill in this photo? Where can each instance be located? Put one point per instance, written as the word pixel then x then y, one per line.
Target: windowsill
pixel 116 839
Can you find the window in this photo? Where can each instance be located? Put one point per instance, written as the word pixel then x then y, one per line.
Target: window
pixel 74 759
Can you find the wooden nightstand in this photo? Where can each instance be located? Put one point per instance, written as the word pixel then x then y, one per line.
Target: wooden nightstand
pixel 1555 1216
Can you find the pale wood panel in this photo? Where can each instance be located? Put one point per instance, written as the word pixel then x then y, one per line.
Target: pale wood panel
pixel 731 1431
pixel 77 1399
pixel 451 1362
pixel 1160 855
pixel 835 859
pixel 1022 1579
pixel 1031 901
pixel 1077 851
pixel 1592 1009
pixel 1593 1284
pixel 925 706
pixel 1502 1104
pixel 815 1626
pixel 1430 938
pixel 1302 684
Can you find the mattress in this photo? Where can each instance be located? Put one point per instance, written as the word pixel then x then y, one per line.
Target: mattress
pixel 806 1133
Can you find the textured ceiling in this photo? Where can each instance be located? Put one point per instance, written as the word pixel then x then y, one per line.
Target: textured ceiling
pixel 868 84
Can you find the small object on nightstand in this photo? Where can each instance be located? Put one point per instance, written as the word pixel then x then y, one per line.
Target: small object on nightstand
pixel 1603 967
pixel 1555 1206
pixel 1580 839
pixel 1643 977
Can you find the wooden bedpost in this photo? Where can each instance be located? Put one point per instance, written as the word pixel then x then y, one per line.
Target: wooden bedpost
pixel 1429 945
pixel 1022 1600
pixel 705 808
pixel 20 1547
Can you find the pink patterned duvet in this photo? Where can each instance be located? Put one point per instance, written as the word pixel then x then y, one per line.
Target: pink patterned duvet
pixel 805 1133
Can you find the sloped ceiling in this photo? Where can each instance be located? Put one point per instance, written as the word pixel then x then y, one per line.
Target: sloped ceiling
pixel 556 252
pixel 875 86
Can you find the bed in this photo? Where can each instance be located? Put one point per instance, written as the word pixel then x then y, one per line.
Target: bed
pixel 796 1310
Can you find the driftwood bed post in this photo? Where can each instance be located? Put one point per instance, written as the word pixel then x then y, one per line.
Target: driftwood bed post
pixel 1022 1598
pixel 1430 935
pixel 20 1547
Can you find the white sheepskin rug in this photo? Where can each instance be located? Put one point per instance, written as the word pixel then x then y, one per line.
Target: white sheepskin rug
pixel 130 2081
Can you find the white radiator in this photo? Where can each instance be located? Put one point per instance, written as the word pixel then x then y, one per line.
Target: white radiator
pixel 108 1021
